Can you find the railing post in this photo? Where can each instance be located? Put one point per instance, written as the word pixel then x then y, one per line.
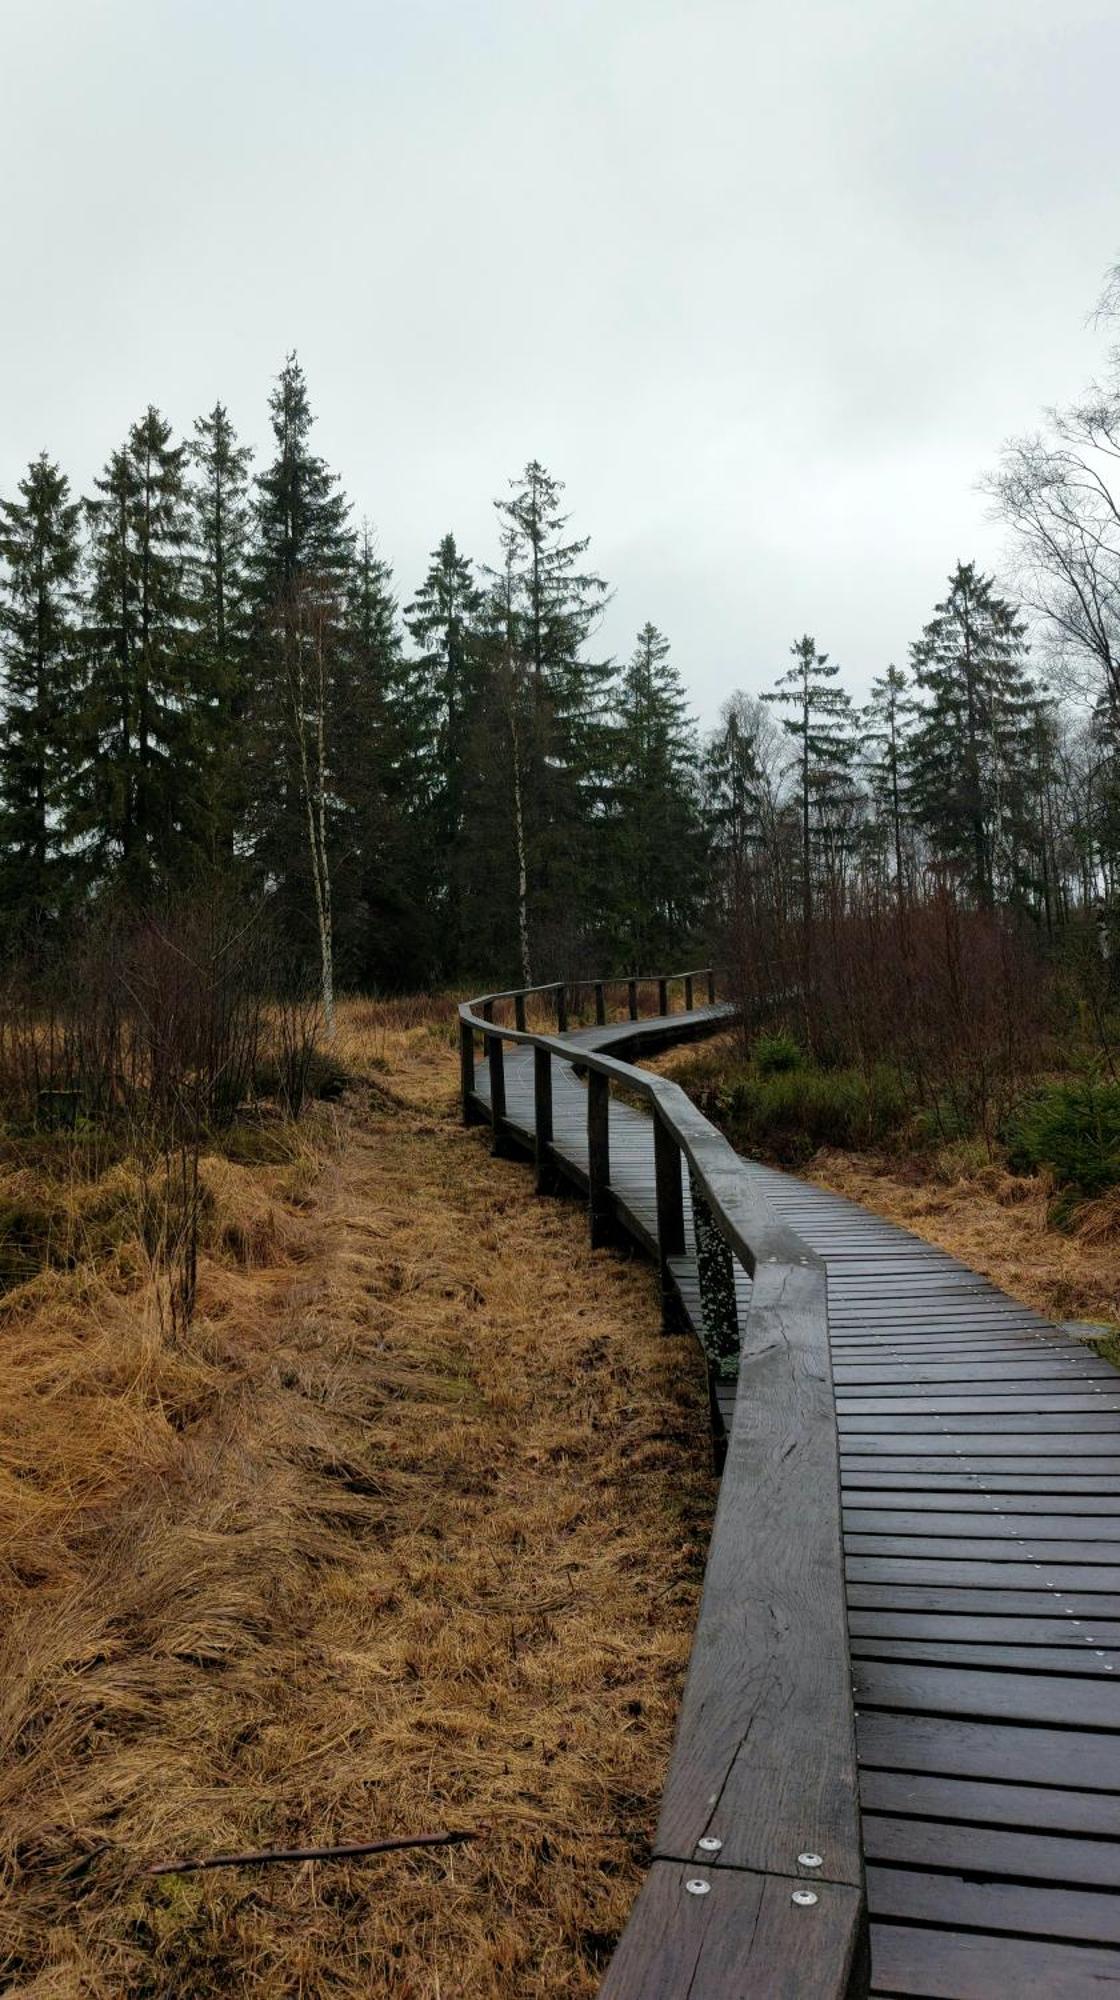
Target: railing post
pixel 632 998
pixel 600 1004
pixel 688 993
pixel 711 986
pixel 715 1268
pixel 495 1055
pixel 561 1008
pixel 542 1120
pixel 670 1220
pixel 600 1214
pixel 466 1072
pixel 519 1011
pixel 663 996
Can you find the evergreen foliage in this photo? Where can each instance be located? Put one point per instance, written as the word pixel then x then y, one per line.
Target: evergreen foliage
pixel 970 753
pixel 41 551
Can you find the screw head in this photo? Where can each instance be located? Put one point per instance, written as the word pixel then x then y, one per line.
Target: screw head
pixel 804 1898
pixel 811 1860
pixel 698 1887
pixel 710 1843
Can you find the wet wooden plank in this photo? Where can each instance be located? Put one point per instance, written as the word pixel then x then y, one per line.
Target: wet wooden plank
pixel 992 1851
pixel 1005 1696
pixel 1089 1916
pixel 984 1802
pixel 1078 1760
pixel 938 1965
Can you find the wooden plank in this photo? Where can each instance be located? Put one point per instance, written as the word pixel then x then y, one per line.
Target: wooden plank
pixel 1087 1915
pixel 1045 1630
pixel 1042 1857
pixel 955 1511
pixel 1033 1807
pixel 1078 1760
pixel 913 1409
pixel 977 1548
pixel 1075 1655
pixel 1066 1700
pixel 745 1937
pixel 1082 1577
pixel 938 1965
pixel 874 1596
pixel 956 1478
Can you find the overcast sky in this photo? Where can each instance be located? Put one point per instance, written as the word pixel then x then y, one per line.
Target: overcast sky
pixel 765 284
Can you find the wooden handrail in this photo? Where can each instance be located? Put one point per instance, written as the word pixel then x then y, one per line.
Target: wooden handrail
pixel 756 1883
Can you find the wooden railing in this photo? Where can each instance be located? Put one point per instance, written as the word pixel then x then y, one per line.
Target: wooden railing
pixel 756 1884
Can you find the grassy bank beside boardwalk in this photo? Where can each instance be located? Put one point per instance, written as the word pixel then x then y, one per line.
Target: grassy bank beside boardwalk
pixel 401 1531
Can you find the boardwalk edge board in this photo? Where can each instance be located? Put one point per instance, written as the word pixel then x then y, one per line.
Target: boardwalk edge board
pixel 756 1886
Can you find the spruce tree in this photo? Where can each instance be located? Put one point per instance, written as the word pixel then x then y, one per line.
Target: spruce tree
pixel 971 752
pixel 40 549
pixel 445 623
pixel 733 784
pixel 555 602
pixel 656 840
pixel 821 726
pixel 299 576
pixel 140 798
pixel 887 721
pixel 222 537
pixel 382 732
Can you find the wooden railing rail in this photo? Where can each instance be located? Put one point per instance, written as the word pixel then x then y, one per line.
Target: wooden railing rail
pixel 756 1883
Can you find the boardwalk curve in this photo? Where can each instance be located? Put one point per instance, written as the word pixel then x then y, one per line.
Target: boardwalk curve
pixel 920 1503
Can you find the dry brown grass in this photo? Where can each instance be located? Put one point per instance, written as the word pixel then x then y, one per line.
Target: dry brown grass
pixel 406 1532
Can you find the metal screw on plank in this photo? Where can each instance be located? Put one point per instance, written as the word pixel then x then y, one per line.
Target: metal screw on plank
pixel 804 1898
pixel 811 1860
pixel 698 1887
pixel 710 1843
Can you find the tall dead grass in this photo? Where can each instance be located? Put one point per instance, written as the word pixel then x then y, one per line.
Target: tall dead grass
pixel 405 1530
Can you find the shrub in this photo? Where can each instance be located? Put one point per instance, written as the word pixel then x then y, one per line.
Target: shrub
pixel 776 1054
pixel 793 1112
pixel 1071 1128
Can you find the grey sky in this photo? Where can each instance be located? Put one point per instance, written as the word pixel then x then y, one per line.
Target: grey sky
pixel 764 284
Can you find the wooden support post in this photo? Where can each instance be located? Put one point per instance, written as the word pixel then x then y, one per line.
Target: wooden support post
pixel 547 1179
pixel 519 1011
pixel 600 1004
pixel 488 1010
pixel 688 993
pixel 670 1220
pixel 600 1214
pixel 632 998
pixel 495 1055
pixel 466 1073
pixel 663 996
pixel 561 1008
pixel 711 987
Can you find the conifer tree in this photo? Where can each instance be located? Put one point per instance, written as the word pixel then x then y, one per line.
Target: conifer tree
pixel 970 754
pixel 555 602
pixel 40 550
pixel 887 721
pixel 656 837
pixel 140 797
pixel 299 574
pixel 445 622
pixel 222 537
pixel 821 728
pixel 382 731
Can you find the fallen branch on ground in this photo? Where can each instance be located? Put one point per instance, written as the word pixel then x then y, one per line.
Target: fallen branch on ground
pixel 349 1851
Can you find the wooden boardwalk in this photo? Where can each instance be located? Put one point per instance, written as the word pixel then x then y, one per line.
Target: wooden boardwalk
pixel 980 1471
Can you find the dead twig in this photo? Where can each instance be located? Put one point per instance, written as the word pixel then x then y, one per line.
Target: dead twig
pixel 261 1856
